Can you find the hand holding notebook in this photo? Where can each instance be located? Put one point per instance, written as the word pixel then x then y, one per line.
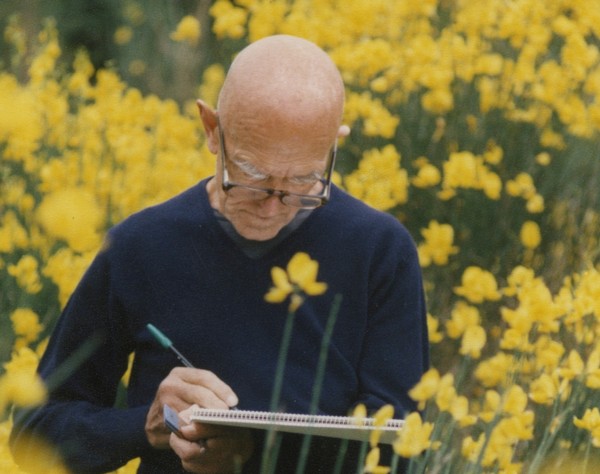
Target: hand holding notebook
pixel 343 427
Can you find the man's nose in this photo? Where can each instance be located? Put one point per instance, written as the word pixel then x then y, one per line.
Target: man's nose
pixel 271 205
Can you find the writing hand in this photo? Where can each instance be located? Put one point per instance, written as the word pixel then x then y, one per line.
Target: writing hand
pixel 181 388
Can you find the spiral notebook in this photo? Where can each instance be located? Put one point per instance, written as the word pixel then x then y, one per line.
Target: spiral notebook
pixel 344 427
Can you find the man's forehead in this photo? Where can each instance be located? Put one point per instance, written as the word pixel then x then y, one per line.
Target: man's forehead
pixel 285 79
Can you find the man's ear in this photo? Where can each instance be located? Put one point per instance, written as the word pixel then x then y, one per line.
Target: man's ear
pixel 210 123
pixel 343 131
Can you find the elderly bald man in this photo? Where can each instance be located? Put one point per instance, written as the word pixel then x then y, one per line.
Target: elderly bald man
pixel 198 267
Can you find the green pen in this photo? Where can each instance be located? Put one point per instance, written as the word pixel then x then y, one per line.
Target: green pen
pixel 167 344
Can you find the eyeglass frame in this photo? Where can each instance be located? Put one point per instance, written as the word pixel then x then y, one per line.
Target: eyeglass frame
pixel 323 198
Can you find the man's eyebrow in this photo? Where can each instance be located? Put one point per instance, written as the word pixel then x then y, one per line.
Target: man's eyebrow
pixel 308 178
pixel 248 168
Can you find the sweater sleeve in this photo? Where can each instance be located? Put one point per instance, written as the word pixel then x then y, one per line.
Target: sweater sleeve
pixel 82 366
pixel 395 351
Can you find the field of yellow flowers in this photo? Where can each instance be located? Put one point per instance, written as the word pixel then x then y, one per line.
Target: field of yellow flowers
pixel 475 123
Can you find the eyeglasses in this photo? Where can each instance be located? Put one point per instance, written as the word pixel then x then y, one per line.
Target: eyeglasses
pixel 255 193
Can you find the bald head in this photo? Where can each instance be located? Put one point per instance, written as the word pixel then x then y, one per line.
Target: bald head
pixel 282 81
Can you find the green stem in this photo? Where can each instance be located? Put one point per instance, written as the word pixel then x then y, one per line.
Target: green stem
pixel 547 439
pixel 320 375
pixel 362 457
pixel 282 360
pixel 587 454
pixel 269 454
pixel 339 462
pixel 394 463
pixel 420 466
pixel 487 432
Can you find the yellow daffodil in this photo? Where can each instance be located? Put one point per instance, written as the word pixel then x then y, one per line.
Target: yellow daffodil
pixel 459 409
pixel 520 319
pixel 491 405
pixel 46 458
pixel 535 204
pixel 298 280
pixel 123 35
pixel 12 234
pixel 372 463
pixel 515 340
pixel 65 268
pixel 427 176
pixel 433 324
pixel 446 394
pixel 544 389
pixel 187 30
pixel 505 435
pixel 438 245
pixel 543 159
pixel 463 316
pixel 471 448
pixel 530 234
pixel 522 185
pixel 26 326
pixel 413 438
pixel 381 417
pixel 573 367
pixel 590 421
pixel 379 180
pixel 491 184
pixel 426 388
pixel 493 154
pixel 592 370
pixel 26 273
pixel 21 389
pixel 229 20
pixel 20 384
pixel 473 341
pixel 460 171
pixel 495 370
pixel 73 215
pixel 478 285
pixel 515 400
pixel 359 413
pixel 548 353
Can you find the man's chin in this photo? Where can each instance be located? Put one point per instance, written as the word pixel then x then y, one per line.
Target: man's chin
pixel 259 229
pixel 258 234
pixel 254 232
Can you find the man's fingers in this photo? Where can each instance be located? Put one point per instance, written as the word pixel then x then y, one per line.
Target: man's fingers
pixel 219 453
pixel 183 387
pixel 186 386
pixel 197 431
pixel 204 388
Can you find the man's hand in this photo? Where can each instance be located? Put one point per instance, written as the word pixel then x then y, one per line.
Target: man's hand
pixel 212 449
pixel 180 389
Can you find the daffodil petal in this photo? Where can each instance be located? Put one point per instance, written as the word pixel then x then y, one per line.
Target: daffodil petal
pixel 276 295
pixel 280 278
pixel 296 267
pixel 385 413
pixel 315 288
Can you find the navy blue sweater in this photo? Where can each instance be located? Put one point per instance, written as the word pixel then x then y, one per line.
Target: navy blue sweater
pixel 174 266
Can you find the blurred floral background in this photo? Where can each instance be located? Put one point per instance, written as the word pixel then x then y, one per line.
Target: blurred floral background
pixel 476 124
